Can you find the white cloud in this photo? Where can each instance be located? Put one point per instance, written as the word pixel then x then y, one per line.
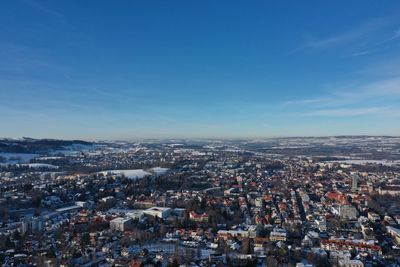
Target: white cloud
pixel 350 112
pixel 368 35
pixel 379 97
pixel 306 101
pixel 46 10
pixel 362 53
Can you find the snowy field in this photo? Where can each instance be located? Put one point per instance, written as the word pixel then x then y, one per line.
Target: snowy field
pixel 30 165
pixel 366 161
pixel 159 171
pixel 137 173
pixel 40 165
pixel 131 174
pixel 49 158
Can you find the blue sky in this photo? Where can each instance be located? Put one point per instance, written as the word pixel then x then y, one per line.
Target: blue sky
pixel 128 69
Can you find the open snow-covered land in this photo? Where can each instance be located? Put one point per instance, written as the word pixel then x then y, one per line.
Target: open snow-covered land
pixel 40 165
pixel 30 165
pixel 137 173
pixel 159 171
pixel 132 174
pixel 367 161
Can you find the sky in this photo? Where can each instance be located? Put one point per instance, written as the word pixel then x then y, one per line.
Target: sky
pixel 198 69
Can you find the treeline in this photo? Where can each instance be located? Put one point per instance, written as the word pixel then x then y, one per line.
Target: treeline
pixel 36 145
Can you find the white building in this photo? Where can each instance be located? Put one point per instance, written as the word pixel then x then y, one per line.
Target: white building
pixel 33 225
pixel 135 214
pixel 394 232
pixel 321 223
pixel 278 234
pixel 302 264
pixel 120 223
pixel 373 217
pixel 354 183
pixel 69 209
pixel 226 234
pixel 391 190
pixel 82 204
pixel 108 199
pixel 159 212
pixel 350 263
pixel 348 212
pixel 259 202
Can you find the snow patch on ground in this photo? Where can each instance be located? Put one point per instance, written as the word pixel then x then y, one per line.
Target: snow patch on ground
pixel 30 165
pixel 49 158
pixel 137 173
pixel 40 165
pixel 366 161
pixel 160 171
pixel 131 174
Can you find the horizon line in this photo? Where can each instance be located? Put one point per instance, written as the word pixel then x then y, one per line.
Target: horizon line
pixel 195 138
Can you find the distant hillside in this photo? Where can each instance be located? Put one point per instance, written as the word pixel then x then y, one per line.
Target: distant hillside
pixel 29 145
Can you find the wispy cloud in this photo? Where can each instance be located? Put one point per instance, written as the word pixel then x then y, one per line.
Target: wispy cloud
pixel 39 6
pixel 386 87
pixel 370 33
pixel 306 101
pixel 27 64
pixel 352 112
pixel 362 53
pixel 379 97
pixel 316 43
pixel 19 59
pixel 395 35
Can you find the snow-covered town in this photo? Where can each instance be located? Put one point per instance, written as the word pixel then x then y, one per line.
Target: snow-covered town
pixel 273 202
